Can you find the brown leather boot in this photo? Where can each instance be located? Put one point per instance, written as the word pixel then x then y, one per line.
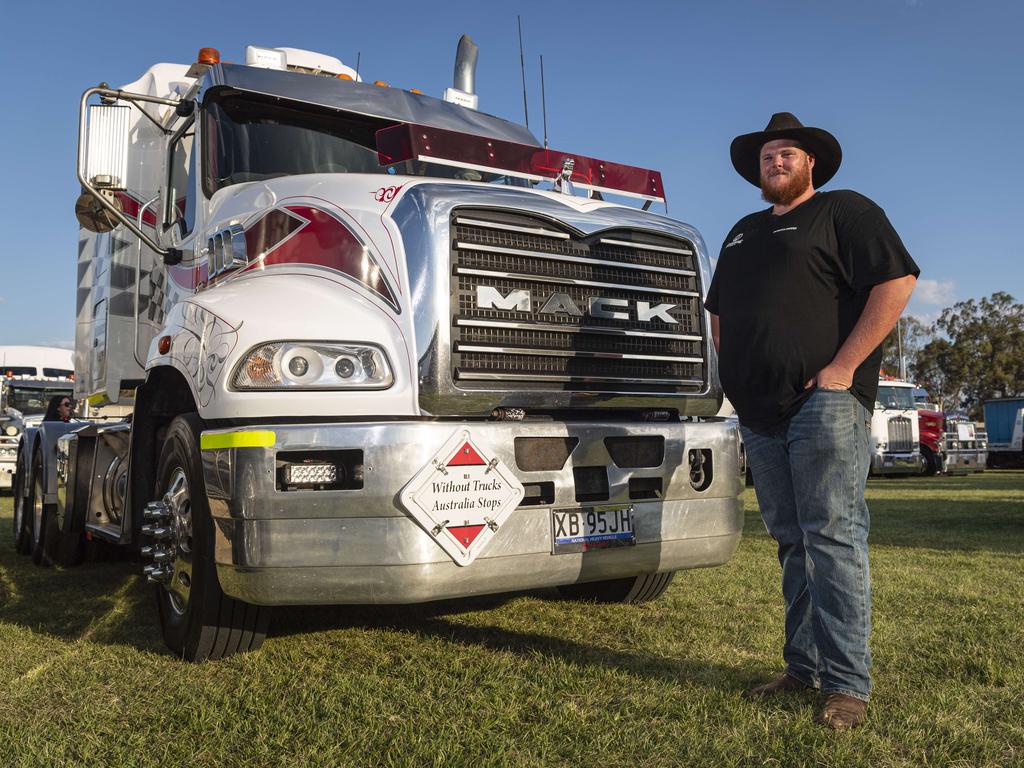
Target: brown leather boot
pixel 841 712
pixel 784 683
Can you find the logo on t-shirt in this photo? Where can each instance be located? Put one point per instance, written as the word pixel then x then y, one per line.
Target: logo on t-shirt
pixel 738 240
pixel 784 229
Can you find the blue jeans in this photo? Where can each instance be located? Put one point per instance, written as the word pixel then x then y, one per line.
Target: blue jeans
pixel 809 475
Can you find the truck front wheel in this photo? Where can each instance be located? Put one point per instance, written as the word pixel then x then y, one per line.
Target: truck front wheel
pixel 634 589
pixel 198 620
pixel 932 463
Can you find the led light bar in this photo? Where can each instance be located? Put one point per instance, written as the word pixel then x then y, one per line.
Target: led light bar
pixel 462 150
pixel 310 474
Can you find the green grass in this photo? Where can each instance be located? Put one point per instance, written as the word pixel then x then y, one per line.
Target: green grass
pixel 529 680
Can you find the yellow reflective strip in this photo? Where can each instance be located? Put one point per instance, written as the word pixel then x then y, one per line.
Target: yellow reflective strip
pixel 254 439
pixel 97 399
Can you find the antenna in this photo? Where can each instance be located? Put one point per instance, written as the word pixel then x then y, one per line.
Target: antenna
pixel 522 68
pixel 359 56
pixel 543 101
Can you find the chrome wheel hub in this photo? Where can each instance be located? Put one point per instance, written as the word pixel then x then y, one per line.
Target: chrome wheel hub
pixel 169 529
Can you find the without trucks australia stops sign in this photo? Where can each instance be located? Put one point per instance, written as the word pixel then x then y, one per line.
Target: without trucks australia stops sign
pixel 462 496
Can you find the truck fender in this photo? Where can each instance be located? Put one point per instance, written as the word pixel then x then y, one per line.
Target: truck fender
pixel 166 393
pixel 46 442
pixel 26 449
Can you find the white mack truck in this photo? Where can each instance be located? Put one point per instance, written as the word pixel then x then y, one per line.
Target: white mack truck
pixel 379 348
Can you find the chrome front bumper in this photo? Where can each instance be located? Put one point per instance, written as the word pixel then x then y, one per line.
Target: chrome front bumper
pixel 897 463
pixel 964 462
pixel 360 546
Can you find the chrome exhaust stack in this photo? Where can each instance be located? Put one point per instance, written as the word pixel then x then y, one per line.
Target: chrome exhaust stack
pixel 463 91
pixel 465 65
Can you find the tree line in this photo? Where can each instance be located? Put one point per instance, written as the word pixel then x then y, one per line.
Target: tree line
pixel 972 353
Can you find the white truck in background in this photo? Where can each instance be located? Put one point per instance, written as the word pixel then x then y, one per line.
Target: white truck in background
pixel 29 377
pixel 895 432
pixel 379 348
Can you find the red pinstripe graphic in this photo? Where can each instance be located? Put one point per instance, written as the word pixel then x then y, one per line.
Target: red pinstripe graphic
pixel 184 277
pixel 130 205
pixel 369 239
pixel 326 242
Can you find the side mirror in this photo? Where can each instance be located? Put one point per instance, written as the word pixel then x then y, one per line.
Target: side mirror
pixel 92 215
pixel 103 143
pixel 106 163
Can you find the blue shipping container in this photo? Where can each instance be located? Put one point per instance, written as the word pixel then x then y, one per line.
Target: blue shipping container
pixel 1001 416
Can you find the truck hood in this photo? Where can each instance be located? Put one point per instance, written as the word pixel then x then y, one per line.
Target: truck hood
pixel 391 239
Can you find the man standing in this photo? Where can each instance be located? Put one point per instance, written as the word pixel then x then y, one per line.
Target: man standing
pixel 802 297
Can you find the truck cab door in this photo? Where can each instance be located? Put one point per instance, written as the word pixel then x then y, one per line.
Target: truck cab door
pixel 180 214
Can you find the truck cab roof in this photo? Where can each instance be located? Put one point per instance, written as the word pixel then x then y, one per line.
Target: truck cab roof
pixel 390 104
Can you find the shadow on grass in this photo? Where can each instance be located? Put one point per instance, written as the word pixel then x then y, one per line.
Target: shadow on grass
pixel 109 603
pixel 104 601
pixel 431 621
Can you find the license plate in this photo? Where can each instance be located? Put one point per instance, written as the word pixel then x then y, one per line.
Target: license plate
pixel 587 528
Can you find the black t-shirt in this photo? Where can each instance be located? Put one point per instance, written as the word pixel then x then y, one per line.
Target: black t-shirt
pixel 788 291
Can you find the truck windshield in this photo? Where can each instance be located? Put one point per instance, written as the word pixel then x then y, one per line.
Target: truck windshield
pixel 248 138
pixel 33 400
pixel 895 397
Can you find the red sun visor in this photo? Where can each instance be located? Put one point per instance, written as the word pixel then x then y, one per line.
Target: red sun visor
pixel 462 150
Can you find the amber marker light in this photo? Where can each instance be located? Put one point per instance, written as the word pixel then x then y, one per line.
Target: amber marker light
pixel 259 368
pixel 381 83
pixel 416 90
pixel 208 56
pixel 164 345
pixel 343 76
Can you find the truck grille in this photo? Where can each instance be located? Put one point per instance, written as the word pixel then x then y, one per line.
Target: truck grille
pixel 901 436
pixel 522 289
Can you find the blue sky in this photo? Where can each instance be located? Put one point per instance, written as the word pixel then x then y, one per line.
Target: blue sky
pixel 925 97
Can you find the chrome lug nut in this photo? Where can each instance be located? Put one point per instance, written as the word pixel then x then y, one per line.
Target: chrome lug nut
pixel 157 531
pixel 156 510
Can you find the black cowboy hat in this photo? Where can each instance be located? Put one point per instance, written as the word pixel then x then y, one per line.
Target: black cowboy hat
pixel 745 149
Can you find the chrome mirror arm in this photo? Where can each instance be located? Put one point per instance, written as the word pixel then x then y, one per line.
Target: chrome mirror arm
pixel 170 255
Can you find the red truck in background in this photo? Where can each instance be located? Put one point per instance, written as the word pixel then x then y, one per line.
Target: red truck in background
pixel 951 443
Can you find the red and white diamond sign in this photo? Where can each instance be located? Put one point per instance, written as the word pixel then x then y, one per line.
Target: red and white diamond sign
pixel 462 496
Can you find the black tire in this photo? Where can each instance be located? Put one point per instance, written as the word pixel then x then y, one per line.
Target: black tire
pixel 38 511
pixel 60 544
pixel 932 463
pixel 22 521
pixel 634 589
pixel 199 622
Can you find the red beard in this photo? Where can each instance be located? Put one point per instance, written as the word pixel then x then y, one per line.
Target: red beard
pixel 790 188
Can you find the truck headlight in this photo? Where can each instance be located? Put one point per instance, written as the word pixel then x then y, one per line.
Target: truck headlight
pixel 11 430
pixel 313 365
